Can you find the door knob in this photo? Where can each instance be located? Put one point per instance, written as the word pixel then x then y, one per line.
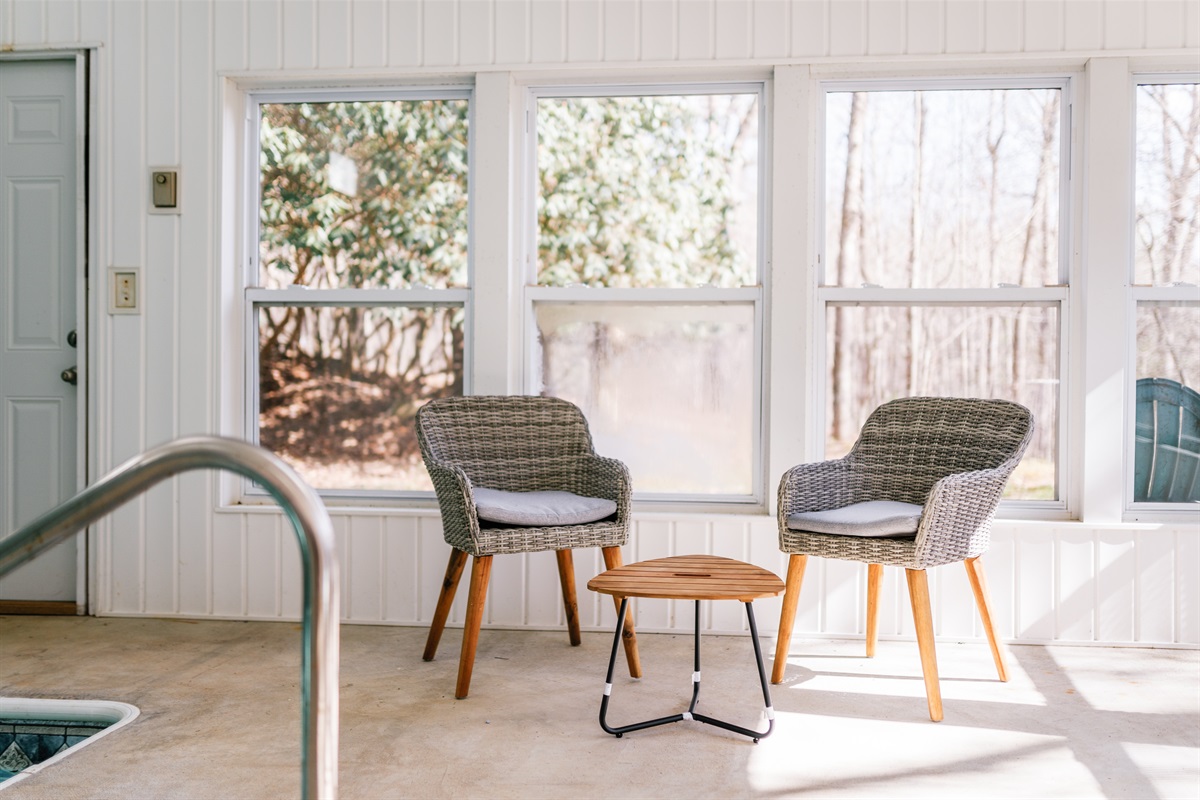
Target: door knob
pixel 72 339
pixel 69 375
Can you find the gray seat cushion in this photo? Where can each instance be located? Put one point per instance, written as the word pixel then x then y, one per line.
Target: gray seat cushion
pixel 540 508
pixel 876 519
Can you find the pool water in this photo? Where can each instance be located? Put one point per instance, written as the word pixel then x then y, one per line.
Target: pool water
pixel 25 742
pixel 36 732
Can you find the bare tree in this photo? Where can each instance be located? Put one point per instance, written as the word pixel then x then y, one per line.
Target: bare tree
pixel 852 222
pixel 915 265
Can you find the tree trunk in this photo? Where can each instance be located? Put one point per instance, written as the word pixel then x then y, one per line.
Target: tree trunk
pixel 1040 192
pixel 852 212
pixel 916 268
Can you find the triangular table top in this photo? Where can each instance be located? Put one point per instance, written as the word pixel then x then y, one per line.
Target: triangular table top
pixel 698 577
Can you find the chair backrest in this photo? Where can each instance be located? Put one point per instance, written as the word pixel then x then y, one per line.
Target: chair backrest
pixel 492 429
pixel 1166 452
pixel 908 445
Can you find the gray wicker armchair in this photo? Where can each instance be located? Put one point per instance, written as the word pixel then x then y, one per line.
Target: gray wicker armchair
pixel 947 457
pixel 515 457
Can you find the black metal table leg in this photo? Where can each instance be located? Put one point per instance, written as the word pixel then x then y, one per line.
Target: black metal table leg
pixel 691 713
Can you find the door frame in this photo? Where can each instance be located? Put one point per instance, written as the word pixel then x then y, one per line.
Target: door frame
pixel 86 246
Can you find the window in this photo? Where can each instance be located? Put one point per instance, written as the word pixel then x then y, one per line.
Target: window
pixel 944 264
pixel 646 303
pixel 357 307
pixel 1166 270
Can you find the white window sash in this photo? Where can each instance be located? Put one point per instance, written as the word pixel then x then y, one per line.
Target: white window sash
pixel 299 297
pixel 255 297
pixel 974 298
pixel 752 295
pixel 1138 294
pixel 1058 295
pixel 656 296
pixel 1063 83
pixel 1149 511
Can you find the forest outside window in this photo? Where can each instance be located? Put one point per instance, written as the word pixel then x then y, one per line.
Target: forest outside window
pixel 944 264
pixel 1164 396
pixel 356 311
pixel 646 303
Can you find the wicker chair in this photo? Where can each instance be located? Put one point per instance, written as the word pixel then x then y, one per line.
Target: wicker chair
pixel 951 457
pixel 516 445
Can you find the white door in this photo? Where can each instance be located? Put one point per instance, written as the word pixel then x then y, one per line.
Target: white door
pixel 38 274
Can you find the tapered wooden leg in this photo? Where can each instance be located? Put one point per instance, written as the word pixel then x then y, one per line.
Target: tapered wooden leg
pixel 481 570
pixel 787 617
pixel 874 581
pixel 445 600
pixel 566 576
pixel 979 586
pixel 918 593
pixel 612 560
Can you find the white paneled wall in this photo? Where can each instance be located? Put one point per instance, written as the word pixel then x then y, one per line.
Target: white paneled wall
pixel 366 34
pixel 159 68
pixel 1049 582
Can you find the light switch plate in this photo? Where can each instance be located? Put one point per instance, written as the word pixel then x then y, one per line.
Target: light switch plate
pixel 124 290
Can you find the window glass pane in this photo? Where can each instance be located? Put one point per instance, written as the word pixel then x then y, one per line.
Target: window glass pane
pixel 1168 184
pixel 364 194
pixel 1167 414
pixel 879 353
pixel 942 188
pixel 669 389
pixel 648 191
pixel 339 389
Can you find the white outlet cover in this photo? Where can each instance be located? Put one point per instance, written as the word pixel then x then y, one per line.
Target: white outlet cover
pixel 111 290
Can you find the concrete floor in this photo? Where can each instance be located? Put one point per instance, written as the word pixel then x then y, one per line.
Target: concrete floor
pixel 220 717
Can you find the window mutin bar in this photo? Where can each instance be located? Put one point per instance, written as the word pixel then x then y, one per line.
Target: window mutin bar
pixel 433 91
pixel 1166 294
pixel 301 296
pixel 584 294
pixel 970 297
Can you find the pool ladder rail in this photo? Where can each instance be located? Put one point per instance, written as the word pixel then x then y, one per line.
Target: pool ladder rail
pixel 318 553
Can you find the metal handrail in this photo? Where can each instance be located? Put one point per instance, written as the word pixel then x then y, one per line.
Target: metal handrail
pixel 318 552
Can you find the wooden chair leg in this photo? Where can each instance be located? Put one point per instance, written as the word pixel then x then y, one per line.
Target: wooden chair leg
pixel 874 582
pixel 445 600
pixel 979 586
pixel 918 593
pixel 612 560
pixel 481 570
pixel 566 576
pixel 787 617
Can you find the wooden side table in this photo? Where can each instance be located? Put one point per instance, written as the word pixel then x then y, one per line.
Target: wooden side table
pixel 700 577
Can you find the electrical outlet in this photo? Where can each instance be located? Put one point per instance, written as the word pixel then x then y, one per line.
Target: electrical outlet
pixel 122 290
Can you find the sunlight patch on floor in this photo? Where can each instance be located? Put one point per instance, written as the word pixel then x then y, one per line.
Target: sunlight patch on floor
pixel 849 757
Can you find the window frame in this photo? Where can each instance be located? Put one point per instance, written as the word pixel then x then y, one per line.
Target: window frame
pixel 254 297
pixel 755 293
pixel 1137 296
pixel 1059 295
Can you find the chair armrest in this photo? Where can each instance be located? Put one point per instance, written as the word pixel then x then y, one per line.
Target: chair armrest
pixel 460 522
pixel 597 476
pixel 820 485
pixel 957 520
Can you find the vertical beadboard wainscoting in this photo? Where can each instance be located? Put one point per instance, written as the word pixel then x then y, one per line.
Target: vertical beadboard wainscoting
pixel 1065 582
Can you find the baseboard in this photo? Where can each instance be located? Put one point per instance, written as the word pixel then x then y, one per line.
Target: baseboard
pixel 44 608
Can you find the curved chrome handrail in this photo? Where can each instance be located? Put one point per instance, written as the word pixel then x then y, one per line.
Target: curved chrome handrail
pixel 318 552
